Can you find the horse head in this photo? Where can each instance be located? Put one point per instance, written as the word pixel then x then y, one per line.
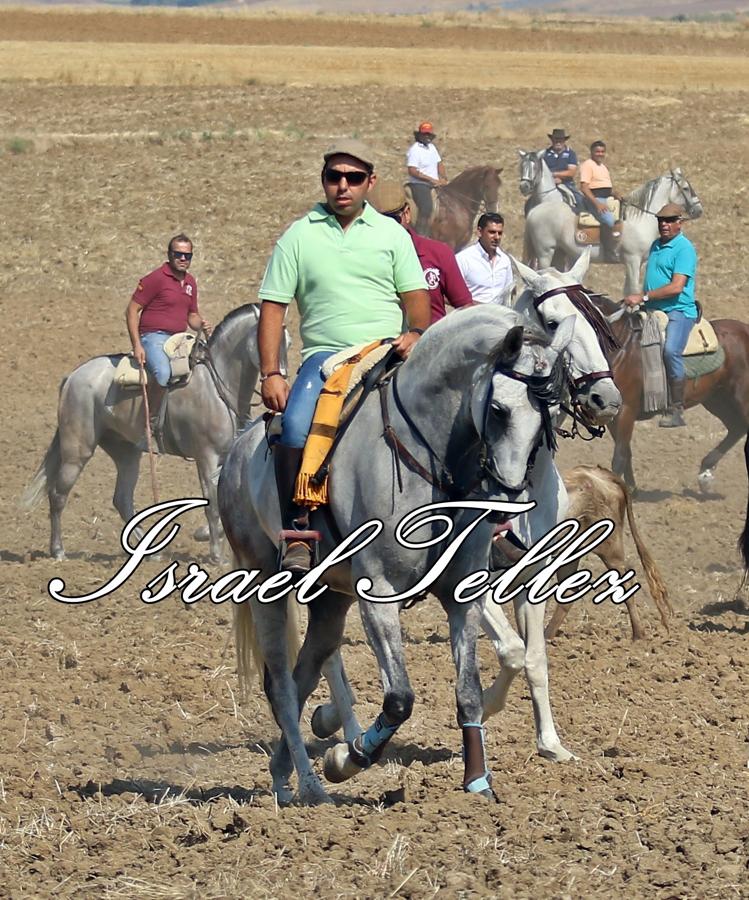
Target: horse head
pixel 682 192
pixel 550 298
pixel 529 171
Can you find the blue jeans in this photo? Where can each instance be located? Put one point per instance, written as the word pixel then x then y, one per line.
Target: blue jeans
pixel 605 218
pixel 677 335
pixel 157 362
pixel 300 405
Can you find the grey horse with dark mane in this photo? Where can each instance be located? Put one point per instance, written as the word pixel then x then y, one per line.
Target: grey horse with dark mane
pixel 202 420
pixel 468 410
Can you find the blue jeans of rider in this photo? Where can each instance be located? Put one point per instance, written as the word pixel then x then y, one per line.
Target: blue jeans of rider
pixel 302 399
pixel 605 218
pixel 677 335
pixel 157 362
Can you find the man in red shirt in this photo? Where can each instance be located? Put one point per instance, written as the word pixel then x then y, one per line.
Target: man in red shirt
pixel 437 259
pixel 165 302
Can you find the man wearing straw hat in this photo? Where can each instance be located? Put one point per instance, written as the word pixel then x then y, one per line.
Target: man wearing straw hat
pixel 164 303
pixel 356 278
pixel 426 171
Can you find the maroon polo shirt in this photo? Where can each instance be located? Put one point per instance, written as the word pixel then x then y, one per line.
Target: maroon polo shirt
pixel 442 274
pixel 166 300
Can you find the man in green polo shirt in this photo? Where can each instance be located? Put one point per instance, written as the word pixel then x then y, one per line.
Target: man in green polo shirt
pixel 355 277
pixel 669 286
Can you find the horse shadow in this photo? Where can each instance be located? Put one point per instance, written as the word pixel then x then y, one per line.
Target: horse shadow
pixel 737 605
pixel 159 791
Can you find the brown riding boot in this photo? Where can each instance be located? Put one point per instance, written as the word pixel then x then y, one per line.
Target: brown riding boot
pixel 675 417
pixel 610 241
pixel 297 556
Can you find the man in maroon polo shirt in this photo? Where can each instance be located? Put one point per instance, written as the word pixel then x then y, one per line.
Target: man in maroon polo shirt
pixel 437 259
pixel 164 302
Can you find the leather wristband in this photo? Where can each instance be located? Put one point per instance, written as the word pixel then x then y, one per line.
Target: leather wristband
pixel 271 374
pixel 418 331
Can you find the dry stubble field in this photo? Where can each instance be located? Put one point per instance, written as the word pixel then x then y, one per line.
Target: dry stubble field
pixel 127 766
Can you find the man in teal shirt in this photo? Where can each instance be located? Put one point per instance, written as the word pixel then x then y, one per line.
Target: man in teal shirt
pixel 355 277
pixel 669 286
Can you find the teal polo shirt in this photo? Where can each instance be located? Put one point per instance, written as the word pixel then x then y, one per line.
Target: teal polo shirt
pixel 346 283
pixel 676 257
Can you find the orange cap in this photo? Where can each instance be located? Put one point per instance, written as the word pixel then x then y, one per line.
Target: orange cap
pixel 425 128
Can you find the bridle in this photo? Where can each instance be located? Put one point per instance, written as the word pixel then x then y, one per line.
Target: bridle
pixel 690 198
pixel 533 164
pixel 580 299
pixel 547 390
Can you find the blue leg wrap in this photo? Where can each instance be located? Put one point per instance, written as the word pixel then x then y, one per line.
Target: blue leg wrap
pixel 482 782
pixel 366 749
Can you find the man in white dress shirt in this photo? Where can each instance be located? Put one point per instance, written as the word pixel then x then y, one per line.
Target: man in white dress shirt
pixel 426 171
pixel 486 268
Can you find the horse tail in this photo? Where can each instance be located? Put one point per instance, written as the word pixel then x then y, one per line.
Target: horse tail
pixel 658 589
pixel 744 539
pixel 250 660
pixel 45 475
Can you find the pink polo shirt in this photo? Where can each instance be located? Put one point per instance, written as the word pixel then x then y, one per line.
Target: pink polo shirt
pixel 166 300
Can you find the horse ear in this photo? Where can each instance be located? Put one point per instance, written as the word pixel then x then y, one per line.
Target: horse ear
pixel 510 348
pixel 563 334
pixel 499 171
pixel 521 153
pixel 581 266
pixel 530 277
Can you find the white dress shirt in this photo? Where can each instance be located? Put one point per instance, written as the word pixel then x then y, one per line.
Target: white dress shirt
pixel 426 158
pixel 487 279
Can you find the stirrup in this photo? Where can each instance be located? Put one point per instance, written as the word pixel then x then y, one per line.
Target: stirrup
pixel 298 551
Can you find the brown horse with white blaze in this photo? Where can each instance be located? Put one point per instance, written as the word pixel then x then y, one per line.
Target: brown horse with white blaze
pixel 460 202
pixel 724 392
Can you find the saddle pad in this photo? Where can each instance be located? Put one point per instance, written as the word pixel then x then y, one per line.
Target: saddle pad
pixel 360 370
pixel 702 338
pixel 705 363
pixel 590 234
pixel 587 219
pixel 127 373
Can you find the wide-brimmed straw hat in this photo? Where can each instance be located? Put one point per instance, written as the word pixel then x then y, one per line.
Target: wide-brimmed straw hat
pixel 387 197
pixel 558 134
pixel 351 147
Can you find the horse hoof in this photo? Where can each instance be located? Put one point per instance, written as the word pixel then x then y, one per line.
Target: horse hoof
pixel 338 765
pixel 57 555
pixel 556 753
pixel 202 534
pixel 325 721
pixel 706 480
pixel 283 794
pixel 312 793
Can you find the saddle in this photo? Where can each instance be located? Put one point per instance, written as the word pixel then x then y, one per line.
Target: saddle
pixel 180 348
pixel 588 230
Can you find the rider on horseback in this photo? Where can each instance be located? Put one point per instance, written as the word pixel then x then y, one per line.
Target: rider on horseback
pixel 355 277
pixel 596 185
pixel 669 286
pixel 562 162
pixel 426 171
pixel 164 303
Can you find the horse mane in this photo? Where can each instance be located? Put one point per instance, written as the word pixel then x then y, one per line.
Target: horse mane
pixel 640 198
pixel 581 300
pixel 466 175
pixel 228 320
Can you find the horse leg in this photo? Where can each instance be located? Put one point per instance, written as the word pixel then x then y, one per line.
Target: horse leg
pixel 382 626
pixel 530 619
pixel 622 429
pixel 208 468
pixel 269 621
pixel 735 428
pixel 510 652
pixel 72 461
pixel 561 610
pixel 464 624
pixel 330 717
pixel 126 458
pixel 327 617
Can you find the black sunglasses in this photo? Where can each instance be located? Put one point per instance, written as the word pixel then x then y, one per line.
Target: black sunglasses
pixel 669 219
pixel 180 254
pixel 335 176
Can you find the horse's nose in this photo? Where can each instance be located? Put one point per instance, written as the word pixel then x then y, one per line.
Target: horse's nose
pixel 605 404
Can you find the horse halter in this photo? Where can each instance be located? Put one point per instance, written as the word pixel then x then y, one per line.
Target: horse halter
pixel 691 200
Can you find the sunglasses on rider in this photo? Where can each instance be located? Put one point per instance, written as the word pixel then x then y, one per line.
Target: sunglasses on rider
pixel 669 219
pixel 180 254
pixel 335 176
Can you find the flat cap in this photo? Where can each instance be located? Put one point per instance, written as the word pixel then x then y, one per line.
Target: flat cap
pixel 670 209
pixel 351 147
pixel 387 197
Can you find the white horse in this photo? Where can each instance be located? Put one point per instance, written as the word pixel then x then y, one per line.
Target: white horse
pixel 466 415
pixel 550 225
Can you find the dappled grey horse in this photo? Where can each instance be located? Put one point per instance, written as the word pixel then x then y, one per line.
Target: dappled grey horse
pixel 550 224
pixel 550 299
pixel 467 412
pixel 201 423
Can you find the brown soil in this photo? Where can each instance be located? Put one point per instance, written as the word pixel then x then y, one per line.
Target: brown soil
pixel 127 766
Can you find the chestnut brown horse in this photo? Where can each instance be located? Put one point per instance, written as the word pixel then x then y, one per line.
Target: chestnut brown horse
pixel 460 202
pixel 724 392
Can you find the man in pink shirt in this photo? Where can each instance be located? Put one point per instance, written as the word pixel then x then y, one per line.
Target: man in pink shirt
pixel 164 302
pixel 444 281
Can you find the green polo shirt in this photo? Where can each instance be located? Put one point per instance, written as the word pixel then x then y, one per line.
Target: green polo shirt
pixel 346 283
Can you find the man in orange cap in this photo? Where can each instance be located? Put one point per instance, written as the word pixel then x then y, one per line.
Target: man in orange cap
pixel 426 171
